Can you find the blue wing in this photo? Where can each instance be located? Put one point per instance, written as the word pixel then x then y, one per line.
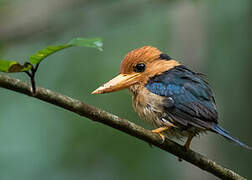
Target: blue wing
pixel 188 98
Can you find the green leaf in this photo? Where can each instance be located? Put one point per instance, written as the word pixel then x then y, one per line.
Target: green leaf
pixel 80 42
pixel 83 42
pixel 13 66
pixel 42 54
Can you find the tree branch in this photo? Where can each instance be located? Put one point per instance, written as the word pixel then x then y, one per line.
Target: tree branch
pixel 116 122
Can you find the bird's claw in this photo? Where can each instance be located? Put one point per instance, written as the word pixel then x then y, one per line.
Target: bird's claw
pixel 161 135
pixel 161 129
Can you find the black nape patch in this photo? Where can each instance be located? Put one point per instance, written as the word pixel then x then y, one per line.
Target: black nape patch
pixel 165 56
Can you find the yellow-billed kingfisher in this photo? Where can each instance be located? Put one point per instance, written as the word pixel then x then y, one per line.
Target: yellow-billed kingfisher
pixel 169 96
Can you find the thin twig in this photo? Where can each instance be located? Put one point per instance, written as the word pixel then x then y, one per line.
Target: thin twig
pixel 33 72
pixel 124 125
pixel 32 77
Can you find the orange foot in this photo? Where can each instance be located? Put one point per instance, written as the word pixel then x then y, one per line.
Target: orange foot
pixel 161 129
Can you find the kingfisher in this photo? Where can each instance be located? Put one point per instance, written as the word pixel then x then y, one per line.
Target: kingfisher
pixel 175 100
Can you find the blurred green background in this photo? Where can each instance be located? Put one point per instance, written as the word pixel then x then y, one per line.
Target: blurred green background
pixel 41 141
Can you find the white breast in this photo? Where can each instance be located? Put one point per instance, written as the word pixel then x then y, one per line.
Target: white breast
pixel 148 106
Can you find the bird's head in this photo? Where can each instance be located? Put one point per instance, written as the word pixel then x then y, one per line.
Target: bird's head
pixel 137 67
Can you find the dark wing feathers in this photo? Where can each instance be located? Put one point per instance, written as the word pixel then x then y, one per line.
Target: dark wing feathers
pixel 188 100
pixel 193 99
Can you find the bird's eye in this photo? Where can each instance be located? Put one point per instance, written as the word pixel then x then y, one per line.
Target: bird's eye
pixel 140 67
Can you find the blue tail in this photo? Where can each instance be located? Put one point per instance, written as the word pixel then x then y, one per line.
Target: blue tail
pixel 226 135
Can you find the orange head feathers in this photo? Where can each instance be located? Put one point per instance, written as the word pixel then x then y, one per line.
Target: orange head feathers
pixel 137 67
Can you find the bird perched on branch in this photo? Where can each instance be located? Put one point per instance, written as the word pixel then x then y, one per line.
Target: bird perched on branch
pixel 175 100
